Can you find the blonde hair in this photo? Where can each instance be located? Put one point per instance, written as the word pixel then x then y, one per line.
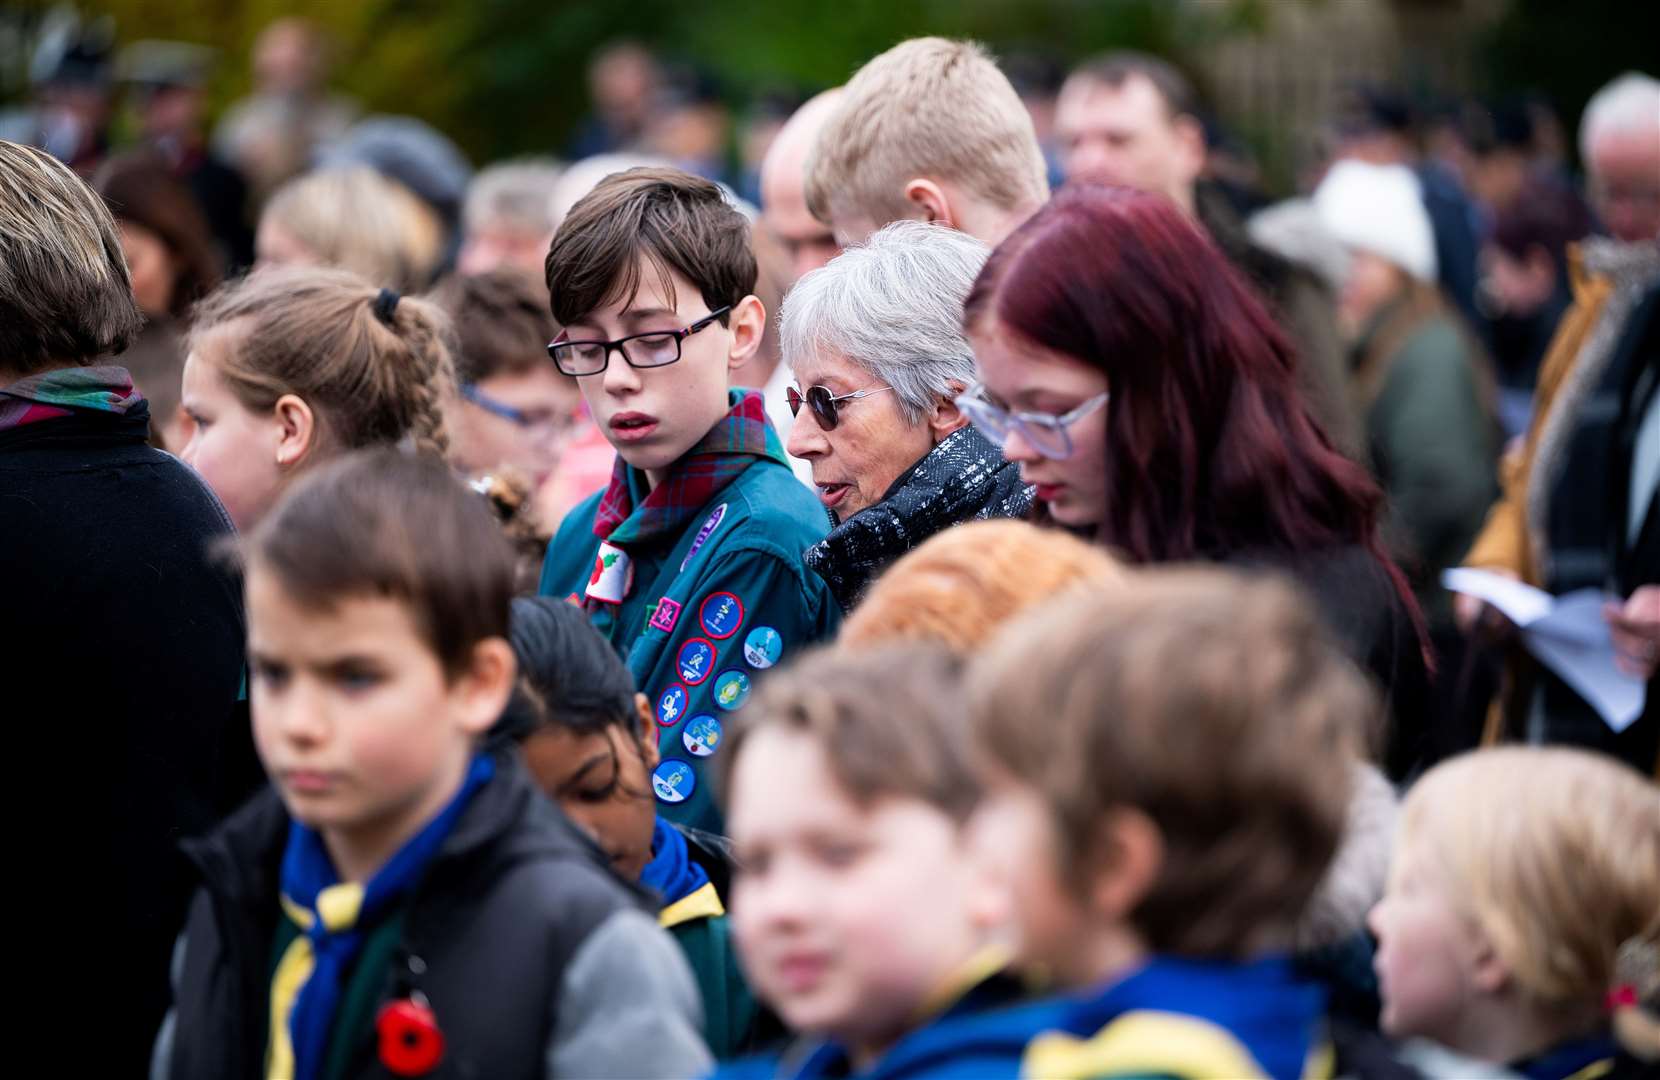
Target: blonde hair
pixel 1555 854
pixel 1217 705
pixel 359 220
pixel 927 107
pixel 316 333
pixel 65 295
pixel 962 585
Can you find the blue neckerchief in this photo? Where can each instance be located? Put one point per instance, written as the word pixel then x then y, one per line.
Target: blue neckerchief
pixel 1272 1011
pixel 981 1034
pixel 307 871
pixel 671 873
pixel 1566 1059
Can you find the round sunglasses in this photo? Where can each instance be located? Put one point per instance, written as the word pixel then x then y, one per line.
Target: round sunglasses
pixel 825 404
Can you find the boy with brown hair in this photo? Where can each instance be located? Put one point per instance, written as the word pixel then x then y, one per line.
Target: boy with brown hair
pixel 928 130
pixel 690 561
pixel 1165 832
pixel 359 917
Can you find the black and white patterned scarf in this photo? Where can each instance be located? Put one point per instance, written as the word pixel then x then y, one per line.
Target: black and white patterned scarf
pixel 963 478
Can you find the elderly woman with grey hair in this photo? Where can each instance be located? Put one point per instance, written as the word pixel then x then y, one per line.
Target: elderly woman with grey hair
pixel 874 340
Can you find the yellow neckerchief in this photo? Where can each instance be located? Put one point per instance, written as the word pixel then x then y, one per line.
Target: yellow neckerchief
pixel 985 963
pixel 1594 1071
pixel 1147 1041
pixel 339 906
pixel 701 903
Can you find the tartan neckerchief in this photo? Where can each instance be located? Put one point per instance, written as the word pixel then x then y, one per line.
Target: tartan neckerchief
pixel 52 394
pixel 718 459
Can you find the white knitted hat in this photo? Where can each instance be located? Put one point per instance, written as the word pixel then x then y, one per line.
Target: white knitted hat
pixel 1380 209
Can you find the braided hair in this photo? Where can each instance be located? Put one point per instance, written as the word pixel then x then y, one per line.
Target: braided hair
pixel 375 368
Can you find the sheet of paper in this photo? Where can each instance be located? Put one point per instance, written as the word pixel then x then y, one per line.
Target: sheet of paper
pixel 1522 604
pixel 1568 635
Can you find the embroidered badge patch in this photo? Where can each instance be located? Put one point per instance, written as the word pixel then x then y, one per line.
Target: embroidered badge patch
pixel 704 533
pixel 695 661
pixel 701 735
pixel 731 690
pixel 671 705
pixel 763 647
pixel 673 781
pixel 665 616
pixel 721 614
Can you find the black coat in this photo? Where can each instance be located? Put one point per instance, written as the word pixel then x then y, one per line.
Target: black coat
pixel 1371 622
pixel 514 891
pixel 120 669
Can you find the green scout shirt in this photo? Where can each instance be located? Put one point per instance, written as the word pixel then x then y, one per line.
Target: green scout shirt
pixel 708 610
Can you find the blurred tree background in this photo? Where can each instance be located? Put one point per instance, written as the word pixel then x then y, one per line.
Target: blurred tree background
pixel 506 77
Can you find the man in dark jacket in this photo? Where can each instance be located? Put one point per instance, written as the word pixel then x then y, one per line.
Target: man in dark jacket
pixel 124 643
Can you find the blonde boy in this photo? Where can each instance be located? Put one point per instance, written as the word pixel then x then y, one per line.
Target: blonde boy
pixel 929 130
pixel 1522 921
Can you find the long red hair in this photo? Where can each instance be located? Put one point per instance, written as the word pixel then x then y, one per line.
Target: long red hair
pixel 1211 450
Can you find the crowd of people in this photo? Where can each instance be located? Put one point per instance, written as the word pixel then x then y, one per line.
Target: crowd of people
pixel 980 612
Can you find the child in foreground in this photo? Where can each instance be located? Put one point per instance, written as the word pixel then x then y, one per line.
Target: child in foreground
pixel 1522 922
pixel 1163 826
pixel 400 900
pixel 856 905
pixel 591 743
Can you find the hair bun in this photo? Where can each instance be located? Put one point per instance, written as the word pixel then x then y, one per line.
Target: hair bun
pixel 386 305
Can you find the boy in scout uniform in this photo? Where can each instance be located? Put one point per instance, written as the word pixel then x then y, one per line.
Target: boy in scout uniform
pixel 690 561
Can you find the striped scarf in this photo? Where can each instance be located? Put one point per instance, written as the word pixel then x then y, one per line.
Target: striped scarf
pixel 58 393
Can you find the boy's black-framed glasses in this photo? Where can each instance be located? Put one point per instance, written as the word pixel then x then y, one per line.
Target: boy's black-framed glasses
pixel 655 348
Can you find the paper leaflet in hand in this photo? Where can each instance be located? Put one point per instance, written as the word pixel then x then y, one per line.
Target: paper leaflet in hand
pixel 1567 634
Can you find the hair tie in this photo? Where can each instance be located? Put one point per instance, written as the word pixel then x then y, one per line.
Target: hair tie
pixel 386 302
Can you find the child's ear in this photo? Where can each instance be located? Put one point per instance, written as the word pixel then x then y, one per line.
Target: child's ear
pixel 1488 971
pixel 945 418
pixel 296 430
pixel 647 735
pixel 749 324
pixel 483 689
pixel 1127 857
pixel 930 202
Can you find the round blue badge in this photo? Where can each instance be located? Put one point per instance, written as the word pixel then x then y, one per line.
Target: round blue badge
pixel 671 705
pixel 721 614
pixel 731 690
pixel 673 781
pixel 696 661
pixel 763 647
pixel 701 735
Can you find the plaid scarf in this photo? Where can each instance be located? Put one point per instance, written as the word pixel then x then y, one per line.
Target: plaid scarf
pixel 706 468
pixel 57 393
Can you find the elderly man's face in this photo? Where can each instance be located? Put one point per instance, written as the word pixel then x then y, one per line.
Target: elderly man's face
pixel 872 444
pixel 1625 184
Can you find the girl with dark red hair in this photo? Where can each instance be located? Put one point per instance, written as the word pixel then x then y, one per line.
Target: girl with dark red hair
pixel 1153 403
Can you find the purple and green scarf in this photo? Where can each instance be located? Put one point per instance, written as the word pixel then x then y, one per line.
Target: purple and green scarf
pixel 52 394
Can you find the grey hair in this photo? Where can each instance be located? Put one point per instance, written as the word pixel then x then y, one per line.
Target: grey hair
pixel 894 306
pixel 65 294
pixel 1631 103
pixel 517 193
